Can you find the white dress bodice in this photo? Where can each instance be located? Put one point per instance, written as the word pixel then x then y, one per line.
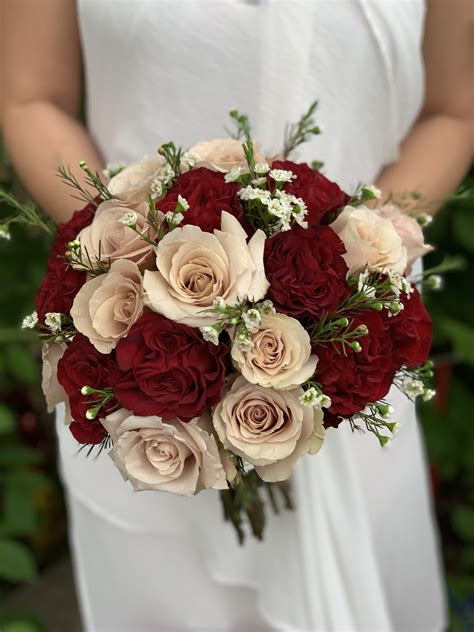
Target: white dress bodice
pixel 360 551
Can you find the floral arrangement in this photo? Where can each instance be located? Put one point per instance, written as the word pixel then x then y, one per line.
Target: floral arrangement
pixel 209 313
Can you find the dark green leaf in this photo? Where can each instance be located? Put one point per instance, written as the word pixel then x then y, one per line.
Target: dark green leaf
pixel 18 455
pixel 7 420
pixel 22 364
pixel 463 223
pixel 17 564
pixel 20 516
pixel 463 521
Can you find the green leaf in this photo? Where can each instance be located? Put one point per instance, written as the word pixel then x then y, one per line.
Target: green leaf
pixel 7 420
pixel 463 225
pixel 20 516
pixel 17 564
pixel 461 337
pixel 463 521
pixel 27 480
pixel 21 623
pixel 18 455
pixel 22 364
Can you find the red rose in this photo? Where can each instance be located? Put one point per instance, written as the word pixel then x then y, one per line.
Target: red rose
pixel 412 332
pixel 82 365
pixel 320 194
pixel 356 379
pixel 167 369
pixel 61 282
pixel 306 271
pixel 208 195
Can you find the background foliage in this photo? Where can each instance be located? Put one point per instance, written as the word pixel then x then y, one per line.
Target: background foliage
pixel 32 518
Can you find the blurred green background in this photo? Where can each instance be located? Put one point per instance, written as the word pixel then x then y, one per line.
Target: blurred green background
pixel 32 515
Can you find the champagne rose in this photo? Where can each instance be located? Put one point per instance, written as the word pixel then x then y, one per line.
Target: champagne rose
pixel 222 154
pixel 280 355
pixel 270 429
pixel 195 267
pixel 109 304
pixel 176 457
pixel 370 240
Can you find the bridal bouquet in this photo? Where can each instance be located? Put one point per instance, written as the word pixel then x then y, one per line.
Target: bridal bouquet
pixel 209 313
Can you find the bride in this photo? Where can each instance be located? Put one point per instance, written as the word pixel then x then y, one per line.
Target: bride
pixel 393 79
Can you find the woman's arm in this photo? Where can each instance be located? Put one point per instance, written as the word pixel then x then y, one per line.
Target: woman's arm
pixel 439 149
pixel 42 96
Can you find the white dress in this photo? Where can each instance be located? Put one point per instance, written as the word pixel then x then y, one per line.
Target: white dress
pixel 360 552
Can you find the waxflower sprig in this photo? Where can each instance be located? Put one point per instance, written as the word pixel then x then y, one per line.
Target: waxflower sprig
pixel 78 256
pixel 244 317
pixel 375 418
pixel 301 131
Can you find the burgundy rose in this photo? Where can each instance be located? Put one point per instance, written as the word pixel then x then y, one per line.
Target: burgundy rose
pixel 412 332
pixel 61 282
pixel 306 271
pixel 68 231
pixel 167 369
pixel 322 196
pixel 208 195
pixel 355 379
pixel 82 365
pixel 60 285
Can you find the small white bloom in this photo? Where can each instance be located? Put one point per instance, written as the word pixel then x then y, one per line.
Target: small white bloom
pixel 428 394
pixel 371 192
pixel 4 232
pixel 183 204
pixel 244 340
pixel 325 401
pixel 262 168
pixel 165 175
pixel 364 287
pixel 397 282
pixel 210 335
pixel 257 182
pixel 310 397
pixel 413 387
pixel 174 218
pixel 30 321
pixel 52 321
pixel 434 282
pixel 313 397
pixel 266 307
pixel 219 303
pixel 156 189
pixel 250 193
pixel 129 219
pixel 191 159
pixel 252 319
pixel 234 174
pixel 282 175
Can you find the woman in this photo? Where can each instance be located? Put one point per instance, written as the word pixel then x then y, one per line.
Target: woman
pixel 360 551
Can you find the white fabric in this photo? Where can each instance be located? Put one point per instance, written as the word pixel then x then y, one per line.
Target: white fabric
pixel 360 552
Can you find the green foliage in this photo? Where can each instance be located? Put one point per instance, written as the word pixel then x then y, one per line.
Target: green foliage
pixel 447 421
pixel 22 484
pixel 17 563
pixel 20 623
